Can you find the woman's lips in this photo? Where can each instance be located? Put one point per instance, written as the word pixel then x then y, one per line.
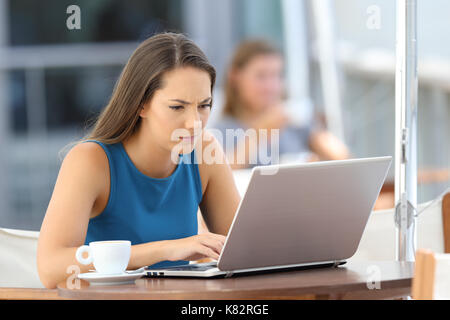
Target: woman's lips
pixel 188 139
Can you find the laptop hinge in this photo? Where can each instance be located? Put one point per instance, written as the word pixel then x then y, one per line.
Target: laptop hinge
pixel 336 264
pixel 228 274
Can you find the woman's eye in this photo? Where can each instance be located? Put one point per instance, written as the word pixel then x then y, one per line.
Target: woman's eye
pixel 203 106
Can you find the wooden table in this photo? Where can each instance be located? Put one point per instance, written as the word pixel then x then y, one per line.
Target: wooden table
pixel 29 294
pixel 349 281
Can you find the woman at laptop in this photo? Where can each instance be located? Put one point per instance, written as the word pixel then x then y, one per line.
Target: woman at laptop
pixel 138 174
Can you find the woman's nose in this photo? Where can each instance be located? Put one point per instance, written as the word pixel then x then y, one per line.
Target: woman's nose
pixel 193 121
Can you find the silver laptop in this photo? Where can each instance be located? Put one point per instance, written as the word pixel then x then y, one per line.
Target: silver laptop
pixel 296 216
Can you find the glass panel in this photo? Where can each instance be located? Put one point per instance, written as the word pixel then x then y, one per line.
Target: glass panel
pixel 48 107
pixel 434 99
pixel 367 56
pixel 44 22
pixel 259 19
pixel 73 95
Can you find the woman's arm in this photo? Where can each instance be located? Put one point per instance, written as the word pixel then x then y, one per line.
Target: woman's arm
pixel 327 146
pixel 82 176
pixel 221 197
pixel 64 227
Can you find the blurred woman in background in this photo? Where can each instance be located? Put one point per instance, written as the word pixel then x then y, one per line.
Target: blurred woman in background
pixel 254 99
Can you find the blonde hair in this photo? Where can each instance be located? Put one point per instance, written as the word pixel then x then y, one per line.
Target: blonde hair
pixel 140 78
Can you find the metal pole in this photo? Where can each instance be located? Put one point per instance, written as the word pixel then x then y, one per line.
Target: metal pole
pixel 405 130
pixel 297 60
pixel 329 73
pixel 296 48
pixel 5 205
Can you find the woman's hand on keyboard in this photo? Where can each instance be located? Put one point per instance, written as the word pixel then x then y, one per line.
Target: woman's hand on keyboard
pixel 205 245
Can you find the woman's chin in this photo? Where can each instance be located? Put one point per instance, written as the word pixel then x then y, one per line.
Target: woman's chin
pixel 183 147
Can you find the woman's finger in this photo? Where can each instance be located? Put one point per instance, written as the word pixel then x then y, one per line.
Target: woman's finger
pixel 214 244
pixel 216 236
pixel 208 252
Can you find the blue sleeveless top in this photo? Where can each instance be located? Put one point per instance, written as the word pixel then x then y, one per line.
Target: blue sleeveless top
pixel 144 209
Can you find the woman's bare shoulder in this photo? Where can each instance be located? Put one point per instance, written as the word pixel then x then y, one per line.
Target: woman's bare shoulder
pixel 79 184
pixel 87 153
pixel 87 159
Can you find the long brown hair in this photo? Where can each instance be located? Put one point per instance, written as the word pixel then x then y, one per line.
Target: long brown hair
pixel 244 53
pixel 140 78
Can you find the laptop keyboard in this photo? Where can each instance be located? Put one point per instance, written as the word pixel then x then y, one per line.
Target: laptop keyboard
pixel 194 267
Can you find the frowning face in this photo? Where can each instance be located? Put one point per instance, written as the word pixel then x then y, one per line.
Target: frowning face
pixel 177 113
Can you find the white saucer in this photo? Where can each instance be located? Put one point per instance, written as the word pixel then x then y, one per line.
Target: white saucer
pixel 96 278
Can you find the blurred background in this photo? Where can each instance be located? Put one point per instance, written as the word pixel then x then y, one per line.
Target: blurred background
pixel 339 68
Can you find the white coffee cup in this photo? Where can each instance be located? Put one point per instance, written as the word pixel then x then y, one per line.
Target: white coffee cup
pixel 108 257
